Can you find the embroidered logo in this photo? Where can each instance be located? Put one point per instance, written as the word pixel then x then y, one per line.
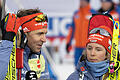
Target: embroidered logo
pixel 38 64
pixel 82 68
pixel 81 76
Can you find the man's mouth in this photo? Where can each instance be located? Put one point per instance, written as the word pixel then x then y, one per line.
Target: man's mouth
pixel 39 45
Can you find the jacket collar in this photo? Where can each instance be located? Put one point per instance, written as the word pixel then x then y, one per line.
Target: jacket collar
pixel 29 53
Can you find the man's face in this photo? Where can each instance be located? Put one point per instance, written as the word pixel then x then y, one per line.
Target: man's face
pixel 106 5
pixel 36 39
pixel 83 3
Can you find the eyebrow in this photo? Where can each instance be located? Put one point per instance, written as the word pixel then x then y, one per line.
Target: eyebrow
pixel 98 47
pixel 42 32
pixel 89 46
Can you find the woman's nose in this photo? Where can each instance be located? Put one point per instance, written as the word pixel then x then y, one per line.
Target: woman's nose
pixel 93 52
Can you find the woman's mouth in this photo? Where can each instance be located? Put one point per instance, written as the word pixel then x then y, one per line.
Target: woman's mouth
pixel 93 60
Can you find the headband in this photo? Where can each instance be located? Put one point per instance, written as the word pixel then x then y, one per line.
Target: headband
pixel 33 22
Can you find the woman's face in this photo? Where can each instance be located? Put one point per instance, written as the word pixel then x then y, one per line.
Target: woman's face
pixel 95 52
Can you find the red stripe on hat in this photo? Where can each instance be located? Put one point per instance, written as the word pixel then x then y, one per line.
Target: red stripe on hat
pixel 100 39
pixel 30 24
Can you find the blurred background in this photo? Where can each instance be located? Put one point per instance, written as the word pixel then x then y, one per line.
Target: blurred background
pixel 60 13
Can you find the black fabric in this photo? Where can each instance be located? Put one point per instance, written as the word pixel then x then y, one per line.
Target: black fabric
pixel 105 14
pixel 23 40
pixel 67 48
pixel 8 36
pixel 31 75
pixel 102 11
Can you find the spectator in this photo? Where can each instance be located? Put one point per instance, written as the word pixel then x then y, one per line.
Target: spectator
pixel 79 29
pixel 109 6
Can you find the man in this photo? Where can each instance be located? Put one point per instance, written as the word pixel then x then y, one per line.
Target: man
pixel 34 26
pixel 79 29
pixel 108 6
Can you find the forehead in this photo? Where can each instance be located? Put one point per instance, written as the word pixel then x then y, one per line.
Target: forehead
pixel 44 30
pixel 95 45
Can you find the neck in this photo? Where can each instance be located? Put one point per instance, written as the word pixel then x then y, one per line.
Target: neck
pixel 98 69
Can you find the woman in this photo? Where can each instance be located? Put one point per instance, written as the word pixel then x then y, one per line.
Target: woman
pixel 94 62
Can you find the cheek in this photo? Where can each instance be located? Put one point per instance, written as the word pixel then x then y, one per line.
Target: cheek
pixel 101 56
pixel 32 38
pixel 31 41
pixel 88 54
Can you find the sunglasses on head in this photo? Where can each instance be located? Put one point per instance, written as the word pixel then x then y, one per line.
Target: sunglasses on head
pixel 100 31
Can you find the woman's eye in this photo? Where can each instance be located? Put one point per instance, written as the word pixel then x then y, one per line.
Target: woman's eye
pixel 98 49
pixel 89 48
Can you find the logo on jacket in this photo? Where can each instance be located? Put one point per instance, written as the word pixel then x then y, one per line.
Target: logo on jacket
pixel 81 76
pixel 81 73
pixel 37 65
pixel 77 16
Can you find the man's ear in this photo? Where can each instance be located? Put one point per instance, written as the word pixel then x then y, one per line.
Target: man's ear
pixel 23 39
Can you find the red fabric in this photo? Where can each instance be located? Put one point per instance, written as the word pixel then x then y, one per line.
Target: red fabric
pixel 38 64
pixel 101 20
pixel 13 23
pixel 33 24
pixel 19 58
pixel 100 39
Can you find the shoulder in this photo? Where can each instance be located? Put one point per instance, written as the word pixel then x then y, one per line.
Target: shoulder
pixel 81 70
pixel 74 76
pixel 93 11
pixel 76 12
pixel 43 57
pixel 44 67
pixel 6 43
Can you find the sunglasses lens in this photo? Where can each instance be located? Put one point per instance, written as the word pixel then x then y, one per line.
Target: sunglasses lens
pixel 104 32
pixel 100 30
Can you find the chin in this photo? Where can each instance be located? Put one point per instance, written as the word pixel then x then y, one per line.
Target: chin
pixel 37 51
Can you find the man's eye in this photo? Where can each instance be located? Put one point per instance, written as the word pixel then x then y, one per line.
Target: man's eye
pixel 39 33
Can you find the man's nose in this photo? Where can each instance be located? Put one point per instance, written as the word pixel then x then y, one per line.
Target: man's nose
pixel 43 38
